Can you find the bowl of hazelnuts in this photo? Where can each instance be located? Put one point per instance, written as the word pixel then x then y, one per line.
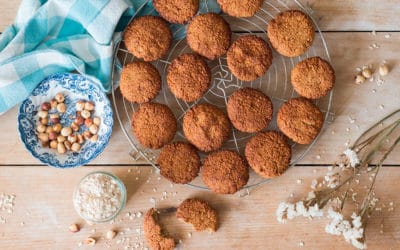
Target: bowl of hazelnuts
pixel 66 122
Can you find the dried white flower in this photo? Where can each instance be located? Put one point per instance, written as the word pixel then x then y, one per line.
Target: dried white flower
pixel 352 157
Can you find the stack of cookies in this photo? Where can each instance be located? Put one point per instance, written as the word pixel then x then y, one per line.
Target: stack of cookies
pixel 249 110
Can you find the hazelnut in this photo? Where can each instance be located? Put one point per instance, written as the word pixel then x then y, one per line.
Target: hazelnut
pixel 93 129
pixel 72 138
pixel 61 138
pixel 49 129
pixel 42 114
pixel 54 118
pixel 79 120
pixel 87 135
pixel 89 106
pixel 61 148
pixel 76 147
pixel 111 234
pixel 53 136
pixel 80 105
pixel 57 127
pixel 90 241
pixel 59 97
pixel 366 72
pixel 85 114
pixel 78 113
pixel 61 107
pixel 74 228
pixel 359 79
pixel 75 127
pixel 383 70
pixel 53 144
pixel 80 139
pixel 45 144
pixel 43 137
pixel 41 128
pixel 66 131
pixel 94 138
pixel 53 103
pixel 44 121
pixel 46 106
pixel 67 145
pixel 97 121
pixel 88 122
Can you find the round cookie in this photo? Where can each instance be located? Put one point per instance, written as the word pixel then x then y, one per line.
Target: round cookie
pixel 268 154
pixel 249 57
pixel 209 35
pixel 148 37
pixel 140 82
pixel 225 172
pixel 206 127
pixel 154 125
pixel 291 33
pixel 300 120
pixel 176 11
pixel 198 213
pixel 189 77
pixel 249 110
pixel 313 77
pixel 240 8
pixel 153 232
pixel 179 162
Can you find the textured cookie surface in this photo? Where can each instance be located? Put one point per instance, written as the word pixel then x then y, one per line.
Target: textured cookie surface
pixel 249 110
pixel 209 35
pixel 154 125
pixel 176 11
pixel 198 213
pixel 313 77
pixel 225 172
pixel 189 77
pixel 291 33
pixel 140 82
pixel 240 8
pixel 206 127
pixel 154 234
pixel 300 120
pixel 179 162
pixel 148 37
pixel 249 57
pixel 268 154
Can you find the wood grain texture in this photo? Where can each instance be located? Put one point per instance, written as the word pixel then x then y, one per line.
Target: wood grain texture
pixel 44 204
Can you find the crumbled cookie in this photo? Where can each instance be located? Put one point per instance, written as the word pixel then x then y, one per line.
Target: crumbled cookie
pixel 198 213
pixel 154 234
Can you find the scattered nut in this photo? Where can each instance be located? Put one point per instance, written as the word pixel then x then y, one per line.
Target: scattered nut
pixel 97 121
pixel 66 131
pixel 53 136
pixel 359 79
pixel 383 69
pixel 80 105
pixel 85 114
pixel 89 106
pixel 61 148
pixel 44 121
pixel 53 103
pixel 53 144
pixel 74 228
pixel 59 97
pixel 94 138
pixel 61 107
pixel 61 138
pixel 68 145
pixel 43 137
pixel 90 241
pixel 57 127
pixel 76 147
pixel 93 129
pixel 79 120
pixel 42 114
pixel 366 72
pixel 111 234
pixel 41 128
pixel 72 138
pixel 46 106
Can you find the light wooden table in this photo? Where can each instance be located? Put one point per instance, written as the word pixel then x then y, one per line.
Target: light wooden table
pixel 43 205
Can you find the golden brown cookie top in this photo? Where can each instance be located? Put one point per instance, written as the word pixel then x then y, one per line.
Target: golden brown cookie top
pixel 179 162
pixel 268 153
pixel 153 232
pixel 249 57
pixel 224 172
pixel 291 33
pixel 154 125
pixel 140 82
pixel 300 120
pixel 240 8
pixel 249 110
pixel 148 37
pixel 198 213
pixel 189 77
pixel 209 35
pixel 176 11
pixel 313 78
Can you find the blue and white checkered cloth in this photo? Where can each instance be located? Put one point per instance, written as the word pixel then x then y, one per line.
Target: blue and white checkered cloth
pixel 53 36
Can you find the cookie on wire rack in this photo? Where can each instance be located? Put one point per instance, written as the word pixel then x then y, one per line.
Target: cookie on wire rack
pixel 240 8
pixel 176 11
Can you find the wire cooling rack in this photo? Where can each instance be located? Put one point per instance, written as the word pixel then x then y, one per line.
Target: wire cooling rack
pixel 275 83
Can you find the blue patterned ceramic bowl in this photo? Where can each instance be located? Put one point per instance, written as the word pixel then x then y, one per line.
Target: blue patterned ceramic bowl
pixel 75 87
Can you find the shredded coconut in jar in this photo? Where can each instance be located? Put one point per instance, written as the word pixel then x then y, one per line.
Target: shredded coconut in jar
pixel 98 197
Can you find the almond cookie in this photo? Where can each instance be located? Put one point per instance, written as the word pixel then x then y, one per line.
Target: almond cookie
pixel 179 162
pixel 300 120
pixel 176 11
pixel 153 232
pixel 268 154
pixel 225 172
pixel 198 213
pixel 240 8
pixel 154 125
pixel 249 57
pixel 291 33
pixel 140 82
pixel 148 37
pixel 313 78
pixel 249 110
pixel 206 127
pixel 189 77
pixel 209 35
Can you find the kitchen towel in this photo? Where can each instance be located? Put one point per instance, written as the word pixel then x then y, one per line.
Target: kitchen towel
pixel 53 36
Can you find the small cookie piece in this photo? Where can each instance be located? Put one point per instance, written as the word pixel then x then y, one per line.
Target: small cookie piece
pixel 313 78
pixel 240 8
pixel 179 162
pixel 225 172
pixel 291 33
pixel 249 57
pixel 209 35
pixel 176 11
pixel 300 120
pixel 189 77
pixel 268 154
pixel 198 213
pixel 148 37
pixel 154 125
pixel 140 82
pixel 154 234
pixel 249 110
pixel 206 127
